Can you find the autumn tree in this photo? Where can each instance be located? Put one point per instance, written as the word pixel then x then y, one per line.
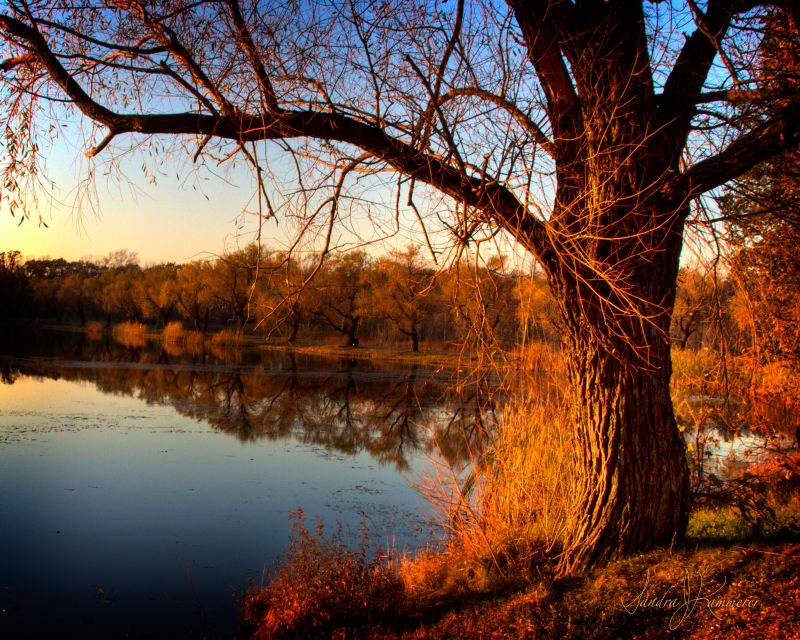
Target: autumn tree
pixel 14 292
pixel 195 297
pixel 482 302
pixel 765 265
pixel 695 302
pixel 77 291
pixel 403 292
pixel 232 280
pixel 119 293
pixel 582 129
pixel 340 294
pixel 283 297
pixel 762 212
pixel 159 293
pixel 119 259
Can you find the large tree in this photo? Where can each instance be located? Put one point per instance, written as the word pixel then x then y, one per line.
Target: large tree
pixel 583 129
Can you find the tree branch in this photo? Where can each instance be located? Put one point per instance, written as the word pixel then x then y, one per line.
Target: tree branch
pixel 246 39
pixel 780 133
pixel 536 20
pixel 489 196
pixel 520 116
pixel 688 76
pixel 136 50
pixel 10 63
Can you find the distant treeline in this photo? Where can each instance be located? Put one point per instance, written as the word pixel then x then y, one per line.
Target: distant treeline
pixel 397 299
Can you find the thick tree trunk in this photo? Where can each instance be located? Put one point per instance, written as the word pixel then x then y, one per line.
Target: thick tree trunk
pixel 632 459
pixel 633 462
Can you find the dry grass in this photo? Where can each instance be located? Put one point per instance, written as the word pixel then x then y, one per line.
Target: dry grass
pixel 775 378
pixel 174 333
pixel 736 592
pixel 95 330
pixel 324 587
pixel 512 508
pixel 194 341
pixel 745 588
pixel 178 340
pixel 225 337
pixel 542 365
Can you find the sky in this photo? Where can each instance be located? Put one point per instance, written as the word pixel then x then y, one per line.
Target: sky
pixel 185 215
pixel 168 221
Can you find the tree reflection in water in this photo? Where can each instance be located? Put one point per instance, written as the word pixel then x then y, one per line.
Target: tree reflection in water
pixel 342 405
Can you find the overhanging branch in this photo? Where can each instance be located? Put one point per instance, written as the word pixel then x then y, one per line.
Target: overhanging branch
pixel 780 133
pixel 481 193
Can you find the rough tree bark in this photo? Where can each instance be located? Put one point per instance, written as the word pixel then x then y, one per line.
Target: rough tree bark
pixel 633 468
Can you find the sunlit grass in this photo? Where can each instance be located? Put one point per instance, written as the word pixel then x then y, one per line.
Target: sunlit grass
pixel 225 337
pixel 95 330
pixel 513 507
pixel 178 340
pixel 324 586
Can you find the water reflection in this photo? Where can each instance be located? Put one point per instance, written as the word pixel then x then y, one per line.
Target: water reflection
pixel 728 436
pixel 253 393
pixel 158 512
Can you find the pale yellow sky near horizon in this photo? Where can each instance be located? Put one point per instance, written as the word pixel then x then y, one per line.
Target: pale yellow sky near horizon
pixel 143 228
pixel 162 223
pixel 172 221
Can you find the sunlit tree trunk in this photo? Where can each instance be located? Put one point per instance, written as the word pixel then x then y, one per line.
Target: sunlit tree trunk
pixel 631 464
pixel 634 471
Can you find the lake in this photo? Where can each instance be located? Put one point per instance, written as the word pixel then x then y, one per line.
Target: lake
pixel 142 488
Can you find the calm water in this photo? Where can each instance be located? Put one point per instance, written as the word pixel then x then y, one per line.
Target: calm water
pixel 140 489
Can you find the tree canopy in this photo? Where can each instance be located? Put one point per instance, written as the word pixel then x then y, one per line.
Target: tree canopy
pixel 483 101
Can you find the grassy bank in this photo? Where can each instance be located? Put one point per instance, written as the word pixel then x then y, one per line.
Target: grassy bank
pixel 496 574
pixel 737 573
pixel 745 587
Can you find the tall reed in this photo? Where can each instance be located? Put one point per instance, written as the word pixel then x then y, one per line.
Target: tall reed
pixel 512 506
